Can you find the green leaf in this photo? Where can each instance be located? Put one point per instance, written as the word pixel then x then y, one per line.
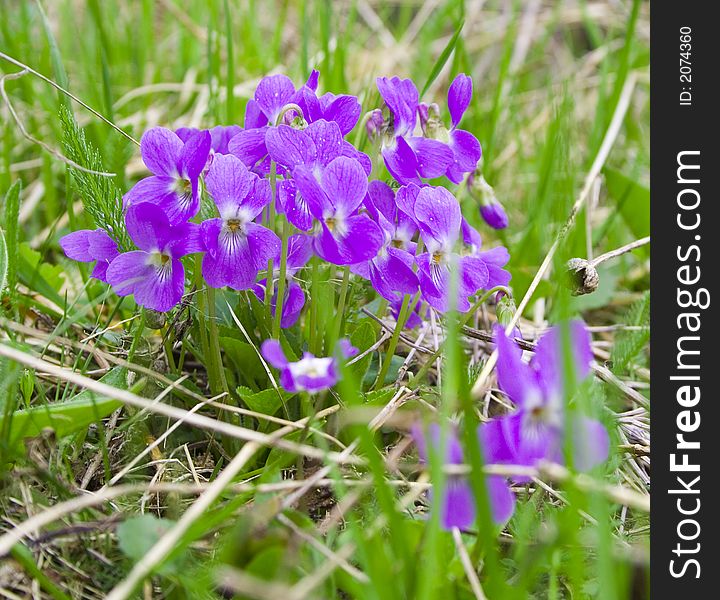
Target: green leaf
pixel 246 362
pixel 631 344
pixel 11 235
pixel 41 277
pixel 59 72
pixel 3 261
pixel 267 402
pixel 137 535
pixel 633 201
pixel 266 563
pixel 362 337
pixel 64 418
pixel 379 397
pixel 442 59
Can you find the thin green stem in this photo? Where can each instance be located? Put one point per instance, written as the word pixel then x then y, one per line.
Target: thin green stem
pixel 218 383
pixel 402 317
pixel 282 281
pixel 315 289
pixel 168 347
pixel 139 329
pixel 338 325
pixel 202 327
pixel 271 223
pixel 463 321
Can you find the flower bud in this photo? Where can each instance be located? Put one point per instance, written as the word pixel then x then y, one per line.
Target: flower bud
pixel 154 319
pixel 494 215
pixel 505 308
pixel 490 208
pixel 375 124
pixel 581 277
pixel 430 121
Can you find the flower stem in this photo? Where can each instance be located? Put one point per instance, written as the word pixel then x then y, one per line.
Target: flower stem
pixel 315 289
pixel 338 327
pixel 462 322
pixel 139 329
pixel 204 346
pixel 168 347
pixel 282 281
pixel 218 383
pixel 271 225
pixel 402 317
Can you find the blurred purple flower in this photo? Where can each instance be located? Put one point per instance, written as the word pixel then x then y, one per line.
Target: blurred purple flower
pixel 374 124
pixel 309 374
pixel 91 245
pixel 176 167
pixel 409 157
pixel 535 431
pixel 494 215
pixel 237 247
pixel 154 273
pixel 457 501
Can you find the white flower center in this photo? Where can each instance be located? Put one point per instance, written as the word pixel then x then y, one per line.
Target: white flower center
pixel 311 367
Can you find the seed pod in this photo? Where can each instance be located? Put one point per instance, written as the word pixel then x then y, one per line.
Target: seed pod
pixel 154 319
pixel 581 277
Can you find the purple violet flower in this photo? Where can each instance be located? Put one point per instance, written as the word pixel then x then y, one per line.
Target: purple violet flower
pixel 458 503
pixel 309 374
pixel 464 145
pixel 409 157
pixel 346 237
pixel 306 154
pixel 154 273
pixel 331 188
pixel 88 245
pixel 342 109
pixel 175 168
pixel 391 270
pixel 495 259
pixel 237 247
pixel 437 214
pixel 299 253
pixel 273 94
pixel 220 136
pixel 535 431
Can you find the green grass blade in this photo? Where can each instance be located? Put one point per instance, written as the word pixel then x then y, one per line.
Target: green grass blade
pixel 442 59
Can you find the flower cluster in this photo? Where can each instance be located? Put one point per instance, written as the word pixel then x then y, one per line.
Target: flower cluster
pixel 535 431
pixel 217 192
